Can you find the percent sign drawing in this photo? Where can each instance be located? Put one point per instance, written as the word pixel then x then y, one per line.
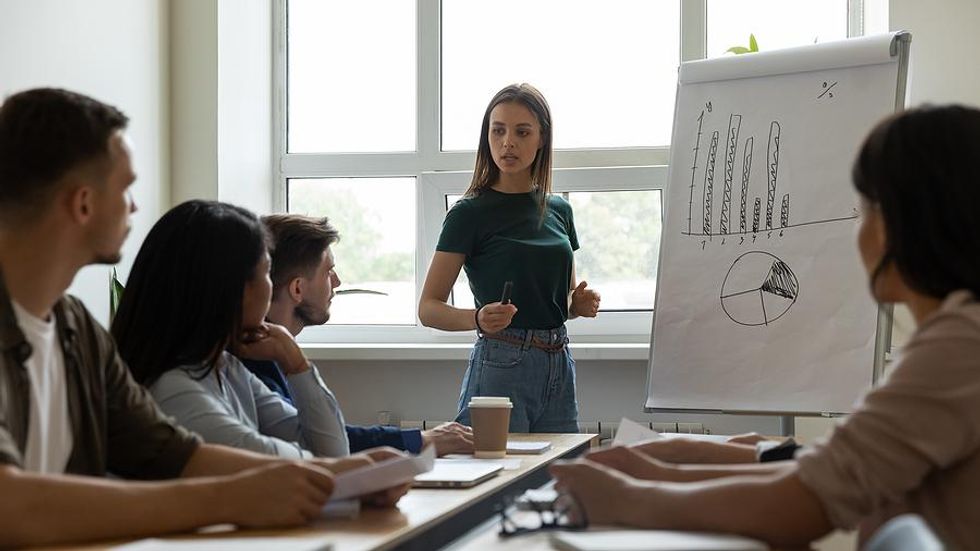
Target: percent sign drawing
pixel 827 90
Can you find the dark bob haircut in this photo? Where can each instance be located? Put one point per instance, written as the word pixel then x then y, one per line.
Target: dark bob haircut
pixel 919 168
pixel 183 300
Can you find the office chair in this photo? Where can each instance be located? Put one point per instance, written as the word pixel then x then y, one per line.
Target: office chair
pixel 904 533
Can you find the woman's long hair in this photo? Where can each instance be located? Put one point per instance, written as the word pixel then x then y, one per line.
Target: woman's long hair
pixel 486 172
pixel 183 300
pixel 919 168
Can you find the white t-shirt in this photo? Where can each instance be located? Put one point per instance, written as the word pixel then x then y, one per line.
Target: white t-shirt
pixel 49 439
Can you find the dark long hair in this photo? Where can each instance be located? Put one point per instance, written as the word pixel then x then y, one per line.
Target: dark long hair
pixel 919 168
pixel 486 172
pixel 183 299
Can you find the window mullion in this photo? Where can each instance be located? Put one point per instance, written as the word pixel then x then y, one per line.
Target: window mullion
pixel 694 31
pixel 855 18
pixel 428 89
pixel 279 106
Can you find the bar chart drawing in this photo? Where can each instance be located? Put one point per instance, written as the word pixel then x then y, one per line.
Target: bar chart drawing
pixel 758 289
pixel 770 209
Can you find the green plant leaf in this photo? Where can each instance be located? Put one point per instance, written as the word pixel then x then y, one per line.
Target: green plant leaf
pixel 738 50
pixel 360 292
pixel 753 45
pixel 115 294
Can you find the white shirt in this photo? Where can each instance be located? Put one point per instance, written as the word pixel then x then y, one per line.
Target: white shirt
pixel 49 439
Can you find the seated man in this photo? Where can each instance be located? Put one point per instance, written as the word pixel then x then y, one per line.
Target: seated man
pixel 303 280
pixel 69 410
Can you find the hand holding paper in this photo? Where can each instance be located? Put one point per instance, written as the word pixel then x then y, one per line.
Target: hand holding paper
pixel 388 473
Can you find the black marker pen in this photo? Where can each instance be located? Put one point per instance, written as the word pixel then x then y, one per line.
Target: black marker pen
pixel 505 296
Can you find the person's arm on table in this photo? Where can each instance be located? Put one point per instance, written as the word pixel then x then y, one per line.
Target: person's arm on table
pixel 47 509
pixel 632 462
pixel 776 508
pixel 685 450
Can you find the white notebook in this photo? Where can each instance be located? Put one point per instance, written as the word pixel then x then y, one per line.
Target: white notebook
pixel 519 447
pixel 221 544
pixel 652 540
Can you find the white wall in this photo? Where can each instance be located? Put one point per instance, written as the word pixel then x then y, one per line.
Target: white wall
pixel 115 51
pixel 945 42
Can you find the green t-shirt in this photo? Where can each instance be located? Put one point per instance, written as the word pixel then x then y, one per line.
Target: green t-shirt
pixel 503 239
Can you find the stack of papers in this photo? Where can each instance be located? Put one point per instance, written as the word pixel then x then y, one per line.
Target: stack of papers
pixel 652 540
pixel 519 447
pixel 220 544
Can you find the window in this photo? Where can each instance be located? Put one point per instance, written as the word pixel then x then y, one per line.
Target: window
pixel 379 104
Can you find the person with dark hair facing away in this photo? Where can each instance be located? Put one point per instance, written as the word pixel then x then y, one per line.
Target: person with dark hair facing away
pixel 200 288
pixel 510 232
pixel 912 443
pixel 304 277
pixel 70 413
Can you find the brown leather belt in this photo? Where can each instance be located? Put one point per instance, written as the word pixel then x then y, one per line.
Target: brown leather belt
pixel 546 346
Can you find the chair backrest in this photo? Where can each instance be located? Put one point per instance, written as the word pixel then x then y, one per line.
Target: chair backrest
pixel 904 533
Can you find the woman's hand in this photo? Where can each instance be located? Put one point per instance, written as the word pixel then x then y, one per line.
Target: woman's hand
pixel 384 498
pixel 585 301
pixel 605 496
pixel 271 342
pixel 495 317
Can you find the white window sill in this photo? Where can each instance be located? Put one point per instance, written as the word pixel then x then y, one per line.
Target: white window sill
pixel 458 351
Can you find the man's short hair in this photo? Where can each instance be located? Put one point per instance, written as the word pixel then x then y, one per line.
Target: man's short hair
pixel 298 243
pixel 45 133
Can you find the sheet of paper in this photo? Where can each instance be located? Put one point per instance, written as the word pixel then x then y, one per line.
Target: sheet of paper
pixel 652 540
pixel 630 431
pixel 508 463
pixel 220 544
pixel 385 474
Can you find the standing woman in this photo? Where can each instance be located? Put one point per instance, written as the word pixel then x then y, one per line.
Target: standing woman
pixel 508 227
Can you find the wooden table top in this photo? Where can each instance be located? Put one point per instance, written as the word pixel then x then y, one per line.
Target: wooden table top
pixel 420 513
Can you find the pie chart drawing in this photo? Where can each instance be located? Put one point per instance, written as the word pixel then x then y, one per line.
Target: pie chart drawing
pixel 758 289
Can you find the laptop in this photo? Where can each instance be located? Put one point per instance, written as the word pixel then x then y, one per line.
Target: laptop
pixel 457 474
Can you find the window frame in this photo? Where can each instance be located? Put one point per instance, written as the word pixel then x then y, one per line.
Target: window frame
pixel 439 172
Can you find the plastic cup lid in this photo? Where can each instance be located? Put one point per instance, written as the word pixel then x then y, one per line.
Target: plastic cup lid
pixel 490 402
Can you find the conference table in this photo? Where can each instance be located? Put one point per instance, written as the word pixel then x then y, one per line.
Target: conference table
pixel 425 519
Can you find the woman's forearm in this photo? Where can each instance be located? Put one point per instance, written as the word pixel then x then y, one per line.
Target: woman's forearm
pixel 777 509
pixel 440 315
pixel 695 473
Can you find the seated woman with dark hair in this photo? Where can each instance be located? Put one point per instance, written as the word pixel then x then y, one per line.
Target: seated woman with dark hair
pixel 200 287
pixel 912 443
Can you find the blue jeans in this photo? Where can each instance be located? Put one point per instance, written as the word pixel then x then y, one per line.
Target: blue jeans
pixel 540 384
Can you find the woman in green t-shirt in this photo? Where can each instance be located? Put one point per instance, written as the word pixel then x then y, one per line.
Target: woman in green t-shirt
pixel 509 228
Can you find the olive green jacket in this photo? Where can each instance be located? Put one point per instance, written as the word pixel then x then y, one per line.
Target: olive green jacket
pixel 116 426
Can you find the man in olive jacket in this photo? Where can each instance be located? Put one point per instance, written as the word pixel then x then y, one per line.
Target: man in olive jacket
pixel 69 410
